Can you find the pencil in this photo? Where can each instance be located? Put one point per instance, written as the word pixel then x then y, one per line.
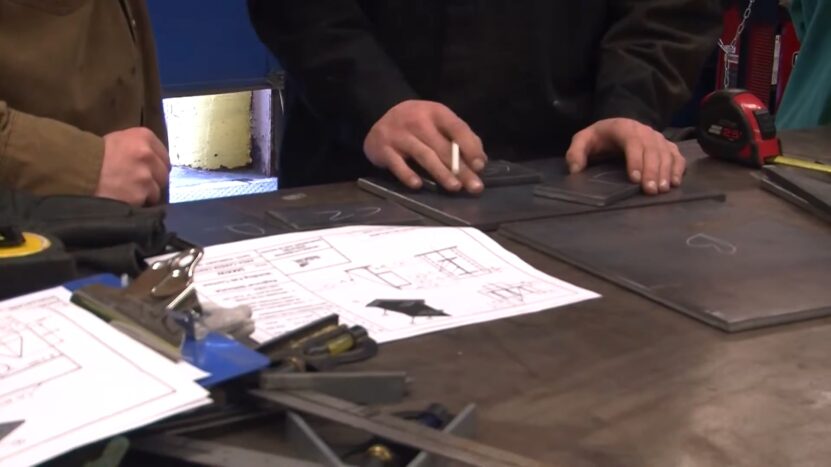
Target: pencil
pixel 454 158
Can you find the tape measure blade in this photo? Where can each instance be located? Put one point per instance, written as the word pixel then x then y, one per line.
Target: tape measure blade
pixel 801 163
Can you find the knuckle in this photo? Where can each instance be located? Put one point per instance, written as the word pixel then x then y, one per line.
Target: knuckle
pixel 143 133
pixel 144 176
pixel 145 153
pixel 417 124
pixel 378 158
pixel 424 155
pixel 461 129
pixel 579 135
pixel 376 136
pixel 435 107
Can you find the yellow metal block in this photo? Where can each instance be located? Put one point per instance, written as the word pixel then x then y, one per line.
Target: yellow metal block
pixel 210 132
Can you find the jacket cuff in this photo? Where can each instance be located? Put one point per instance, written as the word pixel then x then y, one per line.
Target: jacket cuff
pixel 626 106
pixel 46 157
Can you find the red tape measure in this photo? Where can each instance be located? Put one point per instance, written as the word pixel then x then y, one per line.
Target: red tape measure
pixel 735 125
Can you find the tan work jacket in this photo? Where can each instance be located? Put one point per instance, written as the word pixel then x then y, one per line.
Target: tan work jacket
pixel 72 71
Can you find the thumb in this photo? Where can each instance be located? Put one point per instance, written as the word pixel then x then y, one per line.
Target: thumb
pixel 578 153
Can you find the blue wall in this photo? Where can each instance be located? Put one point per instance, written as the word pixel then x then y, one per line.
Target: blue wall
pixel 208 46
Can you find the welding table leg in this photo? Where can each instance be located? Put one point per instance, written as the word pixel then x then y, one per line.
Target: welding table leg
pixel 304 439
pixel 463 425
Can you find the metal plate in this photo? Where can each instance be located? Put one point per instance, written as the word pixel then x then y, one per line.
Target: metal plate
pixel 734 266
pixel 792 198
pixel 499 205
pixel 497 173
pixel 212 223
pixel 813 187
pixel 595 188
pixel 328 215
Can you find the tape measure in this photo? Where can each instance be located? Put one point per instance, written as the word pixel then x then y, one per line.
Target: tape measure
pixel 31 261
pixel 15 244
pixel 734 125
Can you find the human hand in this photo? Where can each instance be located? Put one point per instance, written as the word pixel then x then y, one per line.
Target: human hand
pixel 651 160
pixel 424 131
pixel 135 169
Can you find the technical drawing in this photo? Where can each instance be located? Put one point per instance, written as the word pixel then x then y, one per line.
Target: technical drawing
pixel 11 345
pixel 380 275
pixel 515 293
pixel 304 256
pixel 453 263
pixel 29 355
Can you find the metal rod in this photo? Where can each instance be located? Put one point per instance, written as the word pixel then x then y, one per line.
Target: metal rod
pixel 395 429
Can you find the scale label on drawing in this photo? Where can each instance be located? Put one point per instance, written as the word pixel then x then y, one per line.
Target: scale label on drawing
pixel 304 256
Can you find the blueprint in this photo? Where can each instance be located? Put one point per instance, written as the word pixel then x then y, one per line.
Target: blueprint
pixel 68 379
pixel 455 276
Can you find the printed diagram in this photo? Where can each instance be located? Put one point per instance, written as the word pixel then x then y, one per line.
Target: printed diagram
pixel 515 294
pixel 304 256
pixel 382 275
pixel 29 355
pixel 453 263
pixel 411 308
pixel 449 262
pixel 306 260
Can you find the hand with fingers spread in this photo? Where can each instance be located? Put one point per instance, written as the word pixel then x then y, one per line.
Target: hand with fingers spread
pixel 135 169
pixel 423 131
pixel 651 160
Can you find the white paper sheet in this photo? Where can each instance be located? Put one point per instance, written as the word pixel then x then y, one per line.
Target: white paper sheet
pixel 191 372
pixel 75 380
pixel 290 280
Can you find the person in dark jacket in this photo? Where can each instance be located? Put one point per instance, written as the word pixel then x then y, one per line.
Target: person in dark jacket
pixel 384 82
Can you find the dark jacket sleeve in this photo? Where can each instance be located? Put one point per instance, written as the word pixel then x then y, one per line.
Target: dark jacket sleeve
pixel 652 55
pixel 330 53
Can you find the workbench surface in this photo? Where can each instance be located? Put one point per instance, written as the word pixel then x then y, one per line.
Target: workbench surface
pixel 620 380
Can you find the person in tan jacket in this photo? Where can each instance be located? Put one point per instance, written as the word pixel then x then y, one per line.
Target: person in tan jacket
pixel 80 100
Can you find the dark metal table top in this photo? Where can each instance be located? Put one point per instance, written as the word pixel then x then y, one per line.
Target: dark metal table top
pixel 621 380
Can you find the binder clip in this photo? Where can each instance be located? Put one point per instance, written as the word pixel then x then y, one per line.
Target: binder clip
pixel 159 308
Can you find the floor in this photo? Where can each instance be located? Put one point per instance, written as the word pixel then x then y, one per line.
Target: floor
pixel 187 184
